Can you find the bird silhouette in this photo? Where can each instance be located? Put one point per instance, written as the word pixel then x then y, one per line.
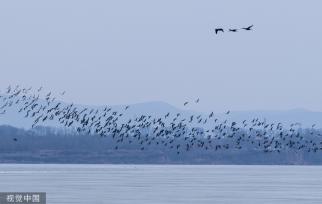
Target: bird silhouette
pixel 233 30
pixel 217 30
pixel 248 28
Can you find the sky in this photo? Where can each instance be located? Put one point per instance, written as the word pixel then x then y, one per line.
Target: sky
pixel 124 52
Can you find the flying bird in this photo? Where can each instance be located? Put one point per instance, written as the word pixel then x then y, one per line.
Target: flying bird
pixel 233 30
pixel 217 30
pixel 248 28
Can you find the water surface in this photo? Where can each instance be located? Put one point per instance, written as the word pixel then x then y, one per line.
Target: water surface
pixel 146 184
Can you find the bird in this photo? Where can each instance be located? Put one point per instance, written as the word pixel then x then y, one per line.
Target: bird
pixel 15 139
pixel 217 30
pixel 248 28
pixel 227 112
pixel 186 103
pixel 197 101
pixel 233 30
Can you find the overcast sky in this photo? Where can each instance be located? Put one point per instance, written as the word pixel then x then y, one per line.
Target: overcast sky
pixel 120 52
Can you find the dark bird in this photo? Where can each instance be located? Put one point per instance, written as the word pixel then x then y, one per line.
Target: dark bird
pixel 197 101
pixel 233 30
pixel 227 112
pixel 248 28
pixel 15 139
pixel 186 103
pixel 217 30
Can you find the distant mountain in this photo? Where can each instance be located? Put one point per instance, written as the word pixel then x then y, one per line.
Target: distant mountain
pixel 49 145
pixel 304 117
pixel 155 109
pixel 159 109
pixel 55 144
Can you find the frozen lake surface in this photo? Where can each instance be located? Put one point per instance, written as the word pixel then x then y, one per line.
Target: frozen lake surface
pixel 150 184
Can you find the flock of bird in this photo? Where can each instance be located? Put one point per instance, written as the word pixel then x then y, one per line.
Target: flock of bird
pixel 234 30
pixel 171 131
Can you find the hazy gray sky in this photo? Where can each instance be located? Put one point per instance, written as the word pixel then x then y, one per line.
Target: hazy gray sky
pixel 119 52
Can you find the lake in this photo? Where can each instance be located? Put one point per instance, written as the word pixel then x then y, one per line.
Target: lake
pixel 147 184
